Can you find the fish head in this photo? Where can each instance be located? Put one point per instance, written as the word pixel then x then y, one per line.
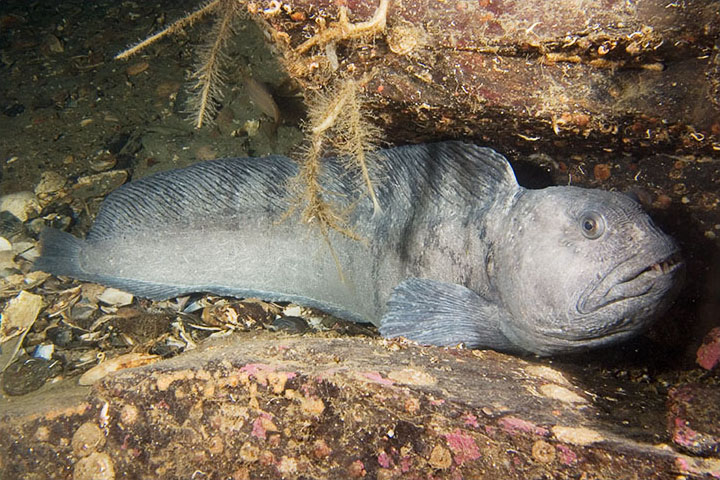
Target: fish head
pixel 582 268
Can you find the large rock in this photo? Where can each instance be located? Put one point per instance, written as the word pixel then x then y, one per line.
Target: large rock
pixel 527 74
pixel 263 406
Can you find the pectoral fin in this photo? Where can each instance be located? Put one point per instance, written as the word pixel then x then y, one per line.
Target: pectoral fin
pixel 444 314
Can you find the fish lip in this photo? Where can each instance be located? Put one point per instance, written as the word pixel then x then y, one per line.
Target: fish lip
pixel 621 284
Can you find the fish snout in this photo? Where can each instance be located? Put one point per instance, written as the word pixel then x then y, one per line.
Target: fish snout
pixel 636 287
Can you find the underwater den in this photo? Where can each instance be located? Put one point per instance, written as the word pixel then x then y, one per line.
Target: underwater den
pixel 360 239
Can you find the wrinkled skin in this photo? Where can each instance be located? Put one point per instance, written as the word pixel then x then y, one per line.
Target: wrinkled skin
pixel 578 267
pixel 459 254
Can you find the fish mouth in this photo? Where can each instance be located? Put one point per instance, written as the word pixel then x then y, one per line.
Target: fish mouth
pixel 628 281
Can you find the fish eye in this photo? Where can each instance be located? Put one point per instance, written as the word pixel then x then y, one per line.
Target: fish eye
pixel 592 225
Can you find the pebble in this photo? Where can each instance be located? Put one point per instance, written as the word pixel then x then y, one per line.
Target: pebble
pixel 115 297
pixel 83 310
pixel 29 374
pixel 5 245
pixel 440 458
pixel 50 182
pixel 581 436
pixel 96 466
pixel 99 184
pixel 14 110
pixel 53 44
pixel 44 351
pixel 63 336
pixel 21 204
pixel 7 263
pixel 102 161
pixel 292 325
pixel 87 439
pixel 19 314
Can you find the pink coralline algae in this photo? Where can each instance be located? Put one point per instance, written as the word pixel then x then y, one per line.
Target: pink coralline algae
pixel 385 460
pixel 708 355
pixel 513 425
pixel 377 378
pixel 259 426
pixel 693 411
pixel 566 455
pixel 405 464
pixel 463 446
pixel 471 420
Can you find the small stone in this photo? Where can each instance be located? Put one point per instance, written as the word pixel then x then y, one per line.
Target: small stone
pixel 21 204
pixel 96 466
pixel 293 311
pixel 99 185
pixel 19 314
pixel 7 264
pixel 53 44
pixel 50 182
pixel 662 202
pixel 82 310
pixel 27 375
pixel 5 245
pixel 440 458
pixel 287 466
pixel 129 415
pixel 14 110
pixel 88 438
pixel 102 161
pixel 292 325
pixel 115 297
pixel 215 446
pixel 547 373
pixel 249 453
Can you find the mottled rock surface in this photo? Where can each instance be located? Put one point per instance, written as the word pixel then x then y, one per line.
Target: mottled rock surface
pixel 262 406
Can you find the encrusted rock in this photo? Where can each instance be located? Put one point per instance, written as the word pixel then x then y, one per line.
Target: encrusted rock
pixel 694 411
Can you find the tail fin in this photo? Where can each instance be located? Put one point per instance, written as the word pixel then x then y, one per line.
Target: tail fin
pixel 59 254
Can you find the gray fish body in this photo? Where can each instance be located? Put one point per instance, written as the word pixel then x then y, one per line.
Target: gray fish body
pixel 459 253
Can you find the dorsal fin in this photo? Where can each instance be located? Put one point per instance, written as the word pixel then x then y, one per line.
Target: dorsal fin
pixel 453 170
